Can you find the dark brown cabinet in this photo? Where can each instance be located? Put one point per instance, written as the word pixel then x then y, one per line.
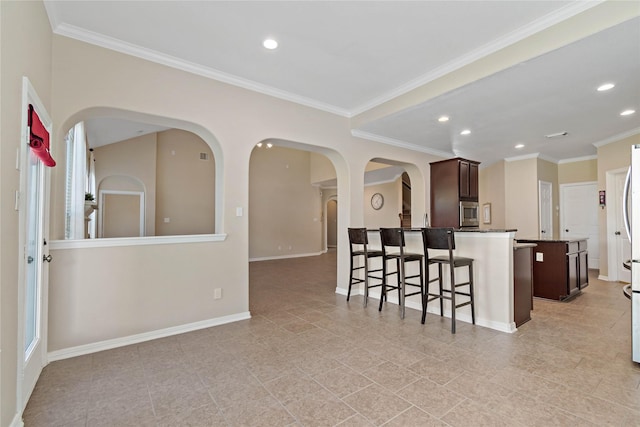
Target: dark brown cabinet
pixel 560 268
pixel 522 283
pixel 452 181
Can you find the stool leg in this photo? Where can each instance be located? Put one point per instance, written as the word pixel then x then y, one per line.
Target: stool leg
pixel 473 309
pixel 425 295
pixel 441 289
pixel 383 292
pixel 401 290
pixel 350 278
pixel 366 280
pixel 453 299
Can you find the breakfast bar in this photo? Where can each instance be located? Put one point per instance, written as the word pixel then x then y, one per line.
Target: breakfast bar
pixel 493 255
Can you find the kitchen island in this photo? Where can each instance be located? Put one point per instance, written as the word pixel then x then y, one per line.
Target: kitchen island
pixel 493 254
pixel 560 267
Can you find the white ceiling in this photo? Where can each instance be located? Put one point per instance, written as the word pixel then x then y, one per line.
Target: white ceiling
pixel 349 56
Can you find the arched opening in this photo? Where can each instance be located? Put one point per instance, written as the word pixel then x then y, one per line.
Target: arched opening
pixel 292 188
pixel 388 194
pixel 175 165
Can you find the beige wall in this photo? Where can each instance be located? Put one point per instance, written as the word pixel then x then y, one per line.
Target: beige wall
pixel 491 188
pixel 578 171
pixel 185 185
pixel 616 155
pixel 321 168
pixel 24 27
pixel 284 208
pixel 521 197
pixel 131 159
pixel 387 216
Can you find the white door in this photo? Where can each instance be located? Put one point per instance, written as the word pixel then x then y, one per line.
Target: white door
pixel 121 213
pixel 33 271
pixel 579 216
pixel 622 244
pixel 545 209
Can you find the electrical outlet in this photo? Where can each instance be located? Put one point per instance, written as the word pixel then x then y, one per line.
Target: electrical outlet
pixel 540 256
pixel 217 293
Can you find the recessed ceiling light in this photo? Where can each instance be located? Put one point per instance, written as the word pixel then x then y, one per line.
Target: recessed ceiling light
pixel 627 112
pixel 270 44
pixel 443 119
pixel 605 87
pixel 519 146
pixel 259 144
pixel 465 132
pixel 269 145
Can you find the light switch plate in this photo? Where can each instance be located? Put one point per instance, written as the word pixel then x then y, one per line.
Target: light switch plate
pixel 540 256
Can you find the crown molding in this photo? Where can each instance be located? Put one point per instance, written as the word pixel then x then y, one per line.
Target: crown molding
pixel 511 38
pixel 616 138
pixel 578 159
pixel 398 143
pixel 117 45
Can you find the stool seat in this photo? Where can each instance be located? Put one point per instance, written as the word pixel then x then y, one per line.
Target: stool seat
pixel 369 254
pixel 458 261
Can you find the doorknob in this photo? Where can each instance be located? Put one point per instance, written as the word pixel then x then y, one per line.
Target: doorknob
pixel 566 230
pixel 617 233
pixel 47 258
pixel 29 259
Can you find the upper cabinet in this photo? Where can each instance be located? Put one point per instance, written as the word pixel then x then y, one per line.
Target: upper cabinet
pixel 453 181
pixel 468 179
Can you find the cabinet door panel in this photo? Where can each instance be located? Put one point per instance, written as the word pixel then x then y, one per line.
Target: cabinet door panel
pixel 473 181
pixel 464 179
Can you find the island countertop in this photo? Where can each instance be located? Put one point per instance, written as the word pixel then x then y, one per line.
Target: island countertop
pixel 552 240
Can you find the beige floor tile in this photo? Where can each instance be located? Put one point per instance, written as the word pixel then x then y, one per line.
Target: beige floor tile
pixel 569 366
pixel 377 404
pixel 431 397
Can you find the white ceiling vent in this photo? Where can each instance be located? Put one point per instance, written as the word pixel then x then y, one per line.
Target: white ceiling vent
pixel 204 156
pixel 557 135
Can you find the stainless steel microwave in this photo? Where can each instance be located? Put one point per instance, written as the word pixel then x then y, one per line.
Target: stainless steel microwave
pixel 469 214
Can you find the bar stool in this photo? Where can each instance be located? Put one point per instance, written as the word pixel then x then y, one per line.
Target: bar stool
pixel 393 240
pixel 443 238
pixel 358 237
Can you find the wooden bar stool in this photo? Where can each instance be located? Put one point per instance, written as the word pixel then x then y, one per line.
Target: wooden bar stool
pixel 393 249
pixel 358 242
pixel 443 238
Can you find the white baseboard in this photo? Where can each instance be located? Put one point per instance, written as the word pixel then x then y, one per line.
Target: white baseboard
pixel 17 421
pixel 146 336
pixel 604 278
pixel 498 326
pixel 269 258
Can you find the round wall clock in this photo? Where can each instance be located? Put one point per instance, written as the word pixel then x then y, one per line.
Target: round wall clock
pixel 377 201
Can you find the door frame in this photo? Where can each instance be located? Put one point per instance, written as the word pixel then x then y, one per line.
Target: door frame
pixel 23 391
pixel 612 246
pixel 101 195
pixel 540 184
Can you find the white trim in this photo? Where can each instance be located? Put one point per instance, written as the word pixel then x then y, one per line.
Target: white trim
pixel 540 185
pixel 612 246
pixel 578 159
pixel 269 258
pixel 146 336
pixel 102 203
pixel 399 143
pixel 515 36
pixel 604 278
pixel 30 96
pixel 117 45
pixel 135 241
pixel 17 421
pixel 532 156
pixel 498 326
pixel 617 137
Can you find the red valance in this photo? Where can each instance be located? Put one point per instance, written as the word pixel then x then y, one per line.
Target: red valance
pixel 39 138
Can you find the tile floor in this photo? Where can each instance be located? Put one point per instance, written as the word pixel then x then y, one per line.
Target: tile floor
pixel 307 357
